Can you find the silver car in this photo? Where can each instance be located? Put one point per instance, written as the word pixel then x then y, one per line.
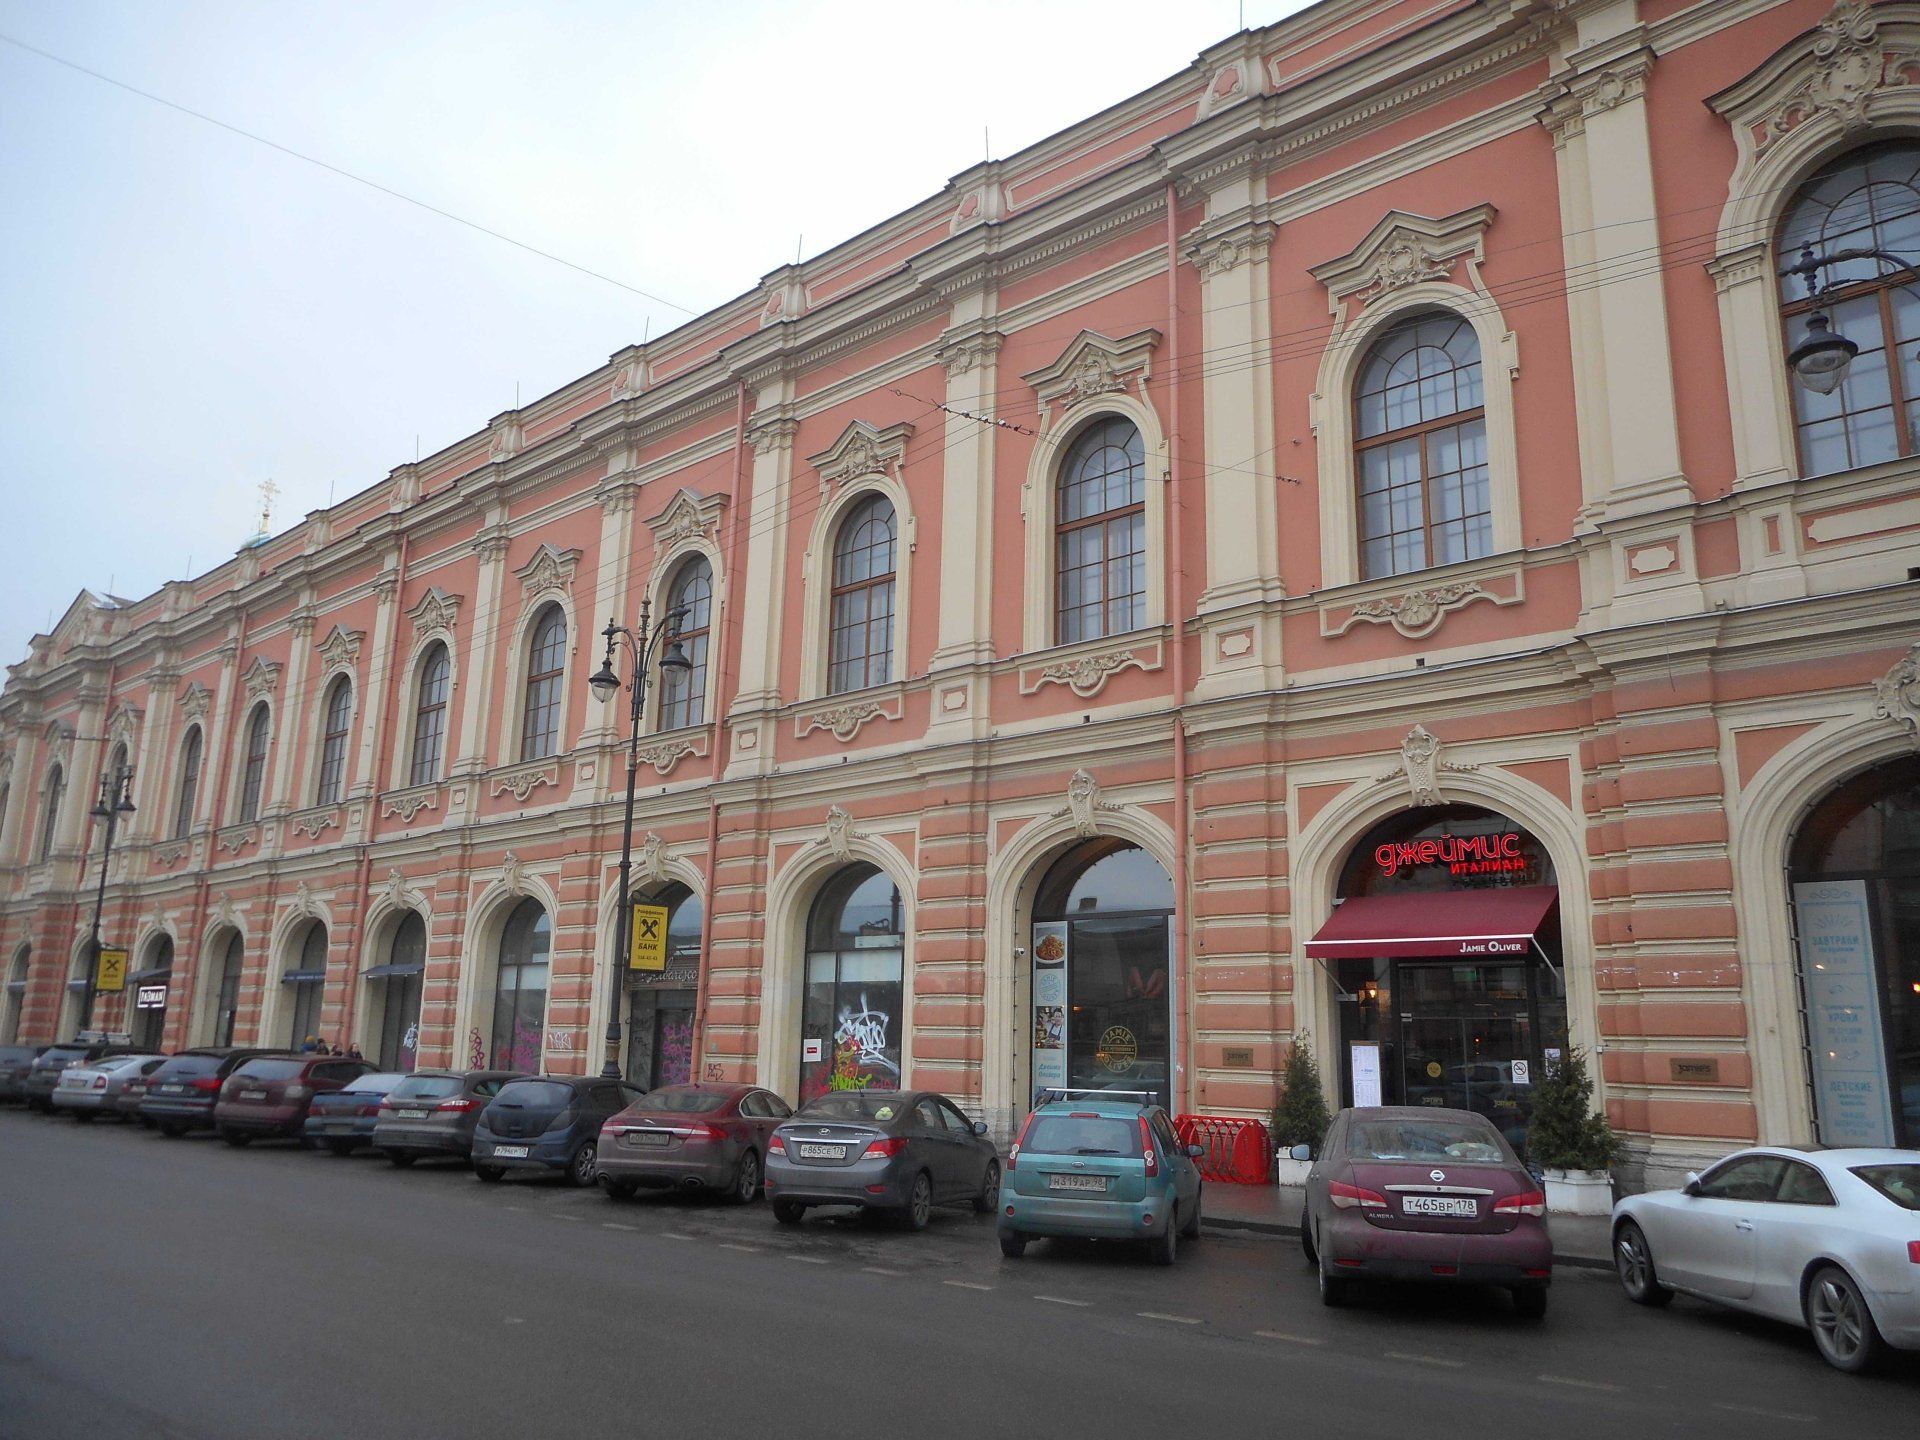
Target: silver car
pixel 84 1091
pixel 1829 1240
pixel 902 1151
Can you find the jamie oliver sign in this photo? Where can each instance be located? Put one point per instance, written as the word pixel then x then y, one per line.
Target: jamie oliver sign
pixel 1499 854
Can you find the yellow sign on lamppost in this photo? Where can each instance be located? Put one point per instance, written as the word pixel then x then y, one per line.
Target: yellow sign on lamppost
pixel 649 948
pixel 111 977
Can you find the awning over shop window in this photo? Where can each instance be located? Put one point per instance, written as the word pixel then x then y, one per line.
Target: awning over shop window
pixel 384 972
pixel 302 977
pixel 160 973
pixel 1449 925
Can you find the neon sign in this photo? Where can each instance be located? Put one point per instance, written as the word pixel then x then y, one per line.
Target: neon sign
pixel 1461 854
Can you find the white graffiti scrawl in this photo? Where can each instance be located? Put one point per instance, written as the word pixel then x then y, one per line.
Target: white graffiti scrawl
pixel 867 1030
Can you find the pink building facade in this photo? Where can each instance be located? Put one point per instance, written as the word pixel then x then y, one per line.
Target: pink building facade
pixel 1359 476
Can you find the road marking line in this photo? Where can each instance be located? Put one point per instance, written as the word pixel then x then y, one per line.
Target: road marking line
pixel 1427 1360
pixel 1576 1384
pixel 1290 1339
pixel 876 1270
pixel 673 1235
pixel 516 1209
pixel 616 1225
pixel 807 1259
pixel 512 1320
pixel 965 1285
pixel 562 1215
pixel 743 1249
pixel 1170 1319
pixel 1062 1300
pixel 1770 1414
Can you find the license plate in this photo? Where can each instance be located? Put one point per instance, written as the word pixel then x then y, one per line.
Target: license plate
pixel 823 1152
pixel 412 1114
pixel 1438 1205
pixel 1076 1182
pixel 509 1152
pixel 253 1094
pixel 647 1137
pixel 170 1089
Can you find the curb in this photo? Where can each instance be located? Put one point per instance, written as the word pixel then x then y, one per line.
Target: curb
pixel 1283 1232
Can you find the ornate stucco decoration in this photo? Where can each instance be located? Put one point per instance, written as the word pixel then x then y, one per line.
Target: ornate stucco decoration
pixel 436 610
pixel 236 838
pixel 403 486
pixel 840 833
pixel 688 516
pixel 663 755
pixel 652 860
pixel 522 780
pixel 513 875
pixel 261 678
pixel 960 354
pixel 303 902
pixel 506 437
pixel 1405 249
pixel 124 727
pixel 1222 250
pixel 57 742
pixel 1896 694
pixel 226 915
pixel 194 700
pixel 629 372
pixel 1419 612
pixel 341 648
pixel 549 572
pixel 1087 675
pixel 1093 365
pixel 844 721
pixel 774 433
pixel 862 449
pixel 400 895
pixel 1084 804
pixel 167 856
pixel 1422 765
pixel 315 822
pixel 405 804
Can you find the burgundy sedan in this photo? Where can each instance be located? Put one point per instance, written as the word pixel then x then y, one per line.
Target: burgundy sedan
pixel 697 1137
pixel 268 1096
pixel 1412 1193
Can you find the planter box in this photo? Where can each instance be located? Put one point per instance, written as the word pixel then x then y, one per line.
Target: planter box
pixel 1288 1171
pixel 1579 1192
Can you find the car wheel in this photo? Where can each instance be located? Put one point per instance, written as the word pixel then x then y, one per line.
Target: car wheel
pixel 988 1200
pixel 1633 1263
pixel 85 1117
pixel 236 1139
pixel 1191 1230
pixel 400 1159
pixel 490 1173
pixel 172 1132
pixel 1335 1291
pixel 1164 1248
pixel 919 1203
pixel 1012 1244
pixel 746 1180
pixel 1306 1242
pixel 789 1212
pixel 617 1189
pixel 148 1124
pixel 585 1166
pixel 340 1147
pixel 1842 1325
pixel 1530 1302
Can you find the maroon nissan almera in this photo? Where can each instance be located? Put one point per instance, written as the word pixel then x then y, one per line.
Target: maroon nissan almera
pixel 1411 1193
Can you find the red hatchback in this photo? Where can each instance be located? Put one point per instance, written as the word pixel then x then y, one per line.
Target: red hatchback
pixel 1411 1193
pixel 268 1096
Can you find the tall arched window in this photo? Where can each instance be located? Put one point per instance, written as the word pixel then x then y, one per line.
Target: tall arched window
pixel 116 767
pixel 149 1019
pixel 683 692
pixel 546 673
pixel 309 981
pixel 852 1011
pixel 1868 198
pixel 254 775
pixel 520 989
pixel 189 788
pixel 226 1005
pixel 1100 534
pixel 14 1002
pixel 430 716
pixel 1421 449
pixel 660 1003
pixel 50 822
pixel 861 649
pixel 6 797
pixel 333 743
pixel 401 980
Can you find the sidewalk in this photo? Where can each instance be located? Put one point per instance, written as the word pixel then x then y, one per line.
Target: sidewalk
pixel 1579 1240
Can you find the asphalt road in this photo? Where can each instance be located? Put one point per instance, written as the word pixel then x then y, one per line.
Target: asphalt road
pixel 184 1289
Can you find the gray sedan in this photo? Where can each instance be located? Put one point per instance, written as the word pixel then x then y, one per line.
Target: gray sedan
pixel 84 1091
pixel 899 1151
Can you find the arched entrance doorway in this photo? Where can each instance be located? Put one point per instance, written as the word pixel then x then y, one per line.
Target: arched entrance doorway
pixel 14 1002
pixel 851 1012
pixel 1102 972
pixel 1855 868
pixel 150 985
pixel 660 1003
pixel 1444 956
pixel 306 982
pixel 519 1020
pixel 393 995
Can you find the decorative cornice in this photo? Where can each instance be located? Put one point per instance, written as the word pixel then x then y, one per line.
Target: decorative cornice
pixel 1896 694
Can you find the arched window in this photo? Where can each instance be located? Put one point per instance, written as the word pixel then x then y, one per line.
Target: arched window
pixel 1421 449
pixel 430 716
pixel 683 693
pixel 660 1003
pixel 403 978
pixel 333 743
pixel 1100 534
pixel 226 1005
pixel 254 776
pixel 116 768
pixel 851 1018
pixel 14 1002
pixel 546 672
pixel 861 648
pixel 50 822
pixel 520 989
pixel 150 1020
pixel 1868 198
pixel 309 981
pixel 6 796
pixel 189 789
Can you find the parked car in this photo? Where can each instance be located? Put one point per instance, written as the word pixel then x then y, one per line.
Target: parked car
pixel 434 1112
pixel 132 1093
pixel 1433 1195
pixel 342 1120
pixel 1828 1240
pixel 698 1137
pixel 267 1097
pixel 88 1091
pixel 548 1122
pixel 45 1072
pixel 901 1151
pixel 15 1061
pixel 182 1093
pixel 1103 1168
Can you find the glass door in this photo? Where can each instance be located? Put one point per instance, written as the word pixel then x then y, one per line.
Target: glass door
pixel 1469 1040
pixel 1119 1025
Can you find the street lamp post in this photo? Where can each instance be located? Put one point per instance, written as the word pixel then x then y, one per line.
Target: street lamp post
pixel 1821 359
pixel 116 799
pixel 641 644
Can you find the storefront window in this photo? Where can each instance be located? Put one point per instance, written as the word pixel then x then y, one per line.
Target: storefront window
pixel 520 990
pixel 852 1012
pixel 400 1006
pixel 660 1004
pixel 308 979
pixel 1856 895
pixel 226 1006
pixel 150 995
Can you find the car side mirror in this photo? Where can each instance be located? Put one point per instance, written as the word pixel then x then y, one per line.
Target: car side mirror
pixel 1692 1187
pixel 980 1127
pixel 1195 1152
pixel 1300 1152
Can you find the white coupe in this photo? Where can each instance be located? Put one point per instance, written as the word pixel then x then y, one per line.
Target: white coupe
pixel 1828 1239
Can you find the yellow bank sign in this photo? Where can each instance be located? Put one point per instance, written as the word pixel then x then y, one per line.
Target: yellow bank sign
pixel 111 976
pixel 649 948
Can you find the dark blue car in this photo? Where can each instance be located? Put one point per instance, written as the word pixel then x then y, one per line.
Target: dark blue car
pixel 550 1123
pixel 343 1120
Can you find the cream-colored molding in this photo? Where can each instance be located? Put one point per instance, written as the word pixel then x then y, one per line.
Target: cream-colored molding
pixel 404 805
pixel 400 762
pixel 1897 693
pixel 844 716
pixel 688 517
pixel 436 613
pixel 817 578
pixel 1092 367
pixel 1419 609
pixel 523 779
pixel 548 572
pixel 1086 667
pixel 664 752
pixel 262 677
pixel 862 449
pixel 315 821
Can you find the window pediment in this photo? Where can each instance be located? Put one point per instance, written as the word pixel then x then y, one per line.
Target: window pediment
pixel 863 449
pixel 688 516
pixel 1093 365
pixel 437 610
pixel 261 678
pixel 341 648
pixel 549 572
pixel 1406 249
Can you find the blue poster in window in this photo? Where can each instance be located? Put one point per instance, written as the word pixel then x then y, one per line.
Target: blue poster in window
pixel 1844 1036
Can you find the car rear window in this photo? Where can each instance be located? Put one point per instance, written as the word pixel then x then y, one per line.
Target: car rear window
pixel 378 1083
pixel 66 1052
pixel 682 1102
pixel 1899 1183
pixel 1082 1135
pixel 186 1067
pixel 271 1069
pixel 427 1087
pixel 540 1094
pixel 852 1105
pixel 1423 1140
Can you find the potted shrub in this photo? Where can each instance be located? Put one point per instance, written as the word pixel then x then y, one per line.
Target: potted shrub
pixel 1301 1116
pixel 1569 1143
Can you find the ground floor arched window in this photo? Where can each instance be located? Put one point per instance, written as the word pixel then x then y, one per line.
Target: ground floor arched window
pixel 150 986
pixel 226 999
pixel 306 982
pixel 1856 900
pixel 393 995
pixel 852 1012
pixel 520 989
pixel 13 1003
pixel 660 1003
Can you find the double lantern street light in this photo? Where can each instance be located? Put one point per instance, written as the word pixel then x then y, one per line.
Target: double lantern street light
pixel 641 643
pixel 1822 357
pixel 116 799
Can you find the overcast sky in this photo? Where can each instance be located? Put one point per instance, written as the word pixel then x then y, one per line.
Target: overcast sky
pixel 185 312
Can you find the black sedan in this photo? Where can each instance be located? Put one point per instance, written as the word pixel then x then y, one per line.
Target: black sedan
pixel 898 1151
pixel 548 1122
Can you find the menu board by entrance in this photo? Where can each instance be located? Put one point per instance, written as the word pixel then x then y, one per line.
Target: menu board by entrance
pixel 1049 1005
pixel 1844 1038
pixel 1366 1073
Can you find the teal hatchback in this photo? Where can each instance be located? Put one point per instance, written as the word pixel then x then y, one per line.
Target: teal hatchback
pixel 1100 1167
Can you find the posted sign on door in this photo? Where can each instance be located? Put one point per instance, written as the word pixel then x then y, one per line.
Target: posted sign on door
pixel 1844 1038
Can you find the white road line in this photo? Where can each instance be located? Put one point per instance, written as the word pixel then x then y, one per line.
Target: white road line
pixel 516 1209
pixel 562 1215
pixel 616 1225
pixel 1290 1339
pixel 1576 1384
pixel 673 1235
pixel 1170 1319
pixel 1770 1414
pixel 965 1285
pixel 877 1270
pixel 807 1259
pixel 743 1249
pixel 1427 1360
pixel 1062 1300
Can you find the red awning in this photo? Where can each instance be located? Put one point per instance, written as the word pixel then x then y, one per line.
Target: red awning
pixel 1450 924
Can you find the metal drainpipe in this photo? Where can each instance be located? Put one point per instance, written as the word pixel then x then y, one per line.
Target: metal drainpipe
pixel 723 694
pixel 1177 612
pixel 218 777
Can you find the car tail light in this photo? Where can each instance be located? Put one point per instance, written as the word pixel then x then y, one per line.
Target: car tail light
pixel 296 1092
pixel 458 1106
pixel 1913 1251
pixel 1528 1202
pixel 1013 1155
pixel 99 1082
pixel 206 1084
pixel 1146 1149
pixel 887 1147
pixel 703 1133
pixel 776 1146
pixel 368 1110
pixel 1350 1197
